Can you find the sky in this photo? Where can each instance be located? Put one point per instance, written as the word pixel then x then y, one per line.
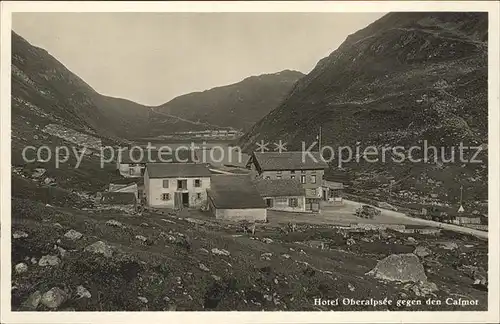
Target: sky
pixel 151 58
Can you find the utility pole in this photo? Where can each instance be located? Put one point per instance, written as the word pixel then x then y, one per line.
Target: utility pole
pixel 319 139
pixel 461 208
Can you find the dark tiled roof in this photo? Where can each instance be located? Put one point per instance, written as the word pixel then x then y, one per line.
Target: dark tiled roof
pixel 168 156
pixel 118 198
pixel 269 161
pixel 177 170
pixel 234 192
pixel 280 188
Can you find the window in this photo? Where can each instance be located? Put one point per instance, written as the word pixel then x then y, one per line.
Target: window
pixel 182 184
pixel 313 179
pixel 165 183
pixel 131 171
pixel 302 179
pixel 198 195
pixel 293 202
pixel 268 177
pixel 197 183
pixel 292 177
pixel 292 171
pixel 302 171
pixel 165 196
pixel 278 177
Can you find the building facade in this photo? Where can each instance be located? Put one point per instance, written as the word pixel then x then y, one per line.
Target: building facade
pixel 284 195
pixel 308 169
pixel 176 185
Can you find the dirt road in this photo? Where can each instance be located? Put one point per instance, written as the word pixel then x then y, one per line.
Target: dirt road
pixel 344 215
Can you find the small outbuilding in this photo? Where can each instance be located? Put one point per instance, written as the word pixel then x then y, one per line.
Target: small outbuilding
pixel 236 198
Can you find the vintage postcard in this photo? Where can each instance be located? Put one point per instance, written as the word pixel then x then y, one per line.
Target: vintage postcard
pixel 267 162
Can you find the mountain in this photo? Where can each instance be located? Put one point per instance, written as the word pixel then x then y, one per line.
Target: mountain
pixel 238 105
pixel 44 90
pixel 404 79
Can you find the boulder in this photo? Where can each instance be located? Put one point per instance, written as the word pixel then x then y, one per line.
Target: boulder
pixel 19 234
pixel 33 301
pixel 73 235
pixel 21 267
pixel 422 251
pixel 204 267
pixel 82 292
pixel 448 245
pixel 423 288
pixel 100 247
pixel 54 298
pixel 220 252
pixel 399 267
pixel 49 260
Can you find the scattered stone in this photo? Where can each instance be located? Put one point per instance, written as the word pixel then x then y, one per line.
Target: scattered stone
pixel 166 298
pixel 286 256
pixel 399 267
pixel 422 251
pixel 115 223
pixel 48 181
pixel 275 281
pixel 141 238
pixel 38 173
pixel 34 261
pixel 448 245
pixel 143 299
pixel 19 234
pixel 21 267
pixel 57 225
pixel 33 301
pixel 54 298
pixel 220 252
pixel 195 221
pixel 411 240
pixel 73 235
pixel 423 288
pixel 266 255
pixel 350 242
pixel 216 278
pixel 82 292
pixel 100 247
pixel 204 267
pixel 49 260
pixel 351 287
pixel 144 224
pixel 267 240
pixel 204 250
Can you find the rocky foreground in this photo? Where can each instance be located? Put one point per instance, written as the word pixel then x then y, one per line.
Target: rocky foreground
pixel 94 260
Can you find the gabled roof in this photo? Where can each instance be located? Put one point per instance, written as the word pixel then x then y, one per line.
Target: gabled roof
pixel 177 170
pixel 280 187
pixel 271 161
pixel 234 192
pixel 156 156
pixel 118 198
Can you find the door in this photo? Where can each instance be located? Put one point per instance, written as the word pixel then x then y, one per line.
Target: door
pixel 177 200
pixel 269 202
pixel 185 199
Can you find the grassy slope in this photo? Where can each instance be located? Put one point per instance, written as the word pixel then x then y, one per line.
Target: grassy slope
pixel 153 269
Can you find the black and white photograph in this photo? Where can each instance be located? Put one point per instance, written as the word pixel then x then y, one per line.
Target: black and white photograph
pixel 263 159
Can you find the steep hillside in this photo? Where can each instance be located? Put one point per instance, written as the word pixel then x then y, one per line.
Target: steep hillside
pixel 238 105
pixel 45 91
pixel 406 78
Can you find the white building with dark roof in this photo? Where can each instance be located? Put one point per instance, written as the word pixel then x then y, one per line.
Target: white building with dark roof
pixel 285 194
pixel 176 185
